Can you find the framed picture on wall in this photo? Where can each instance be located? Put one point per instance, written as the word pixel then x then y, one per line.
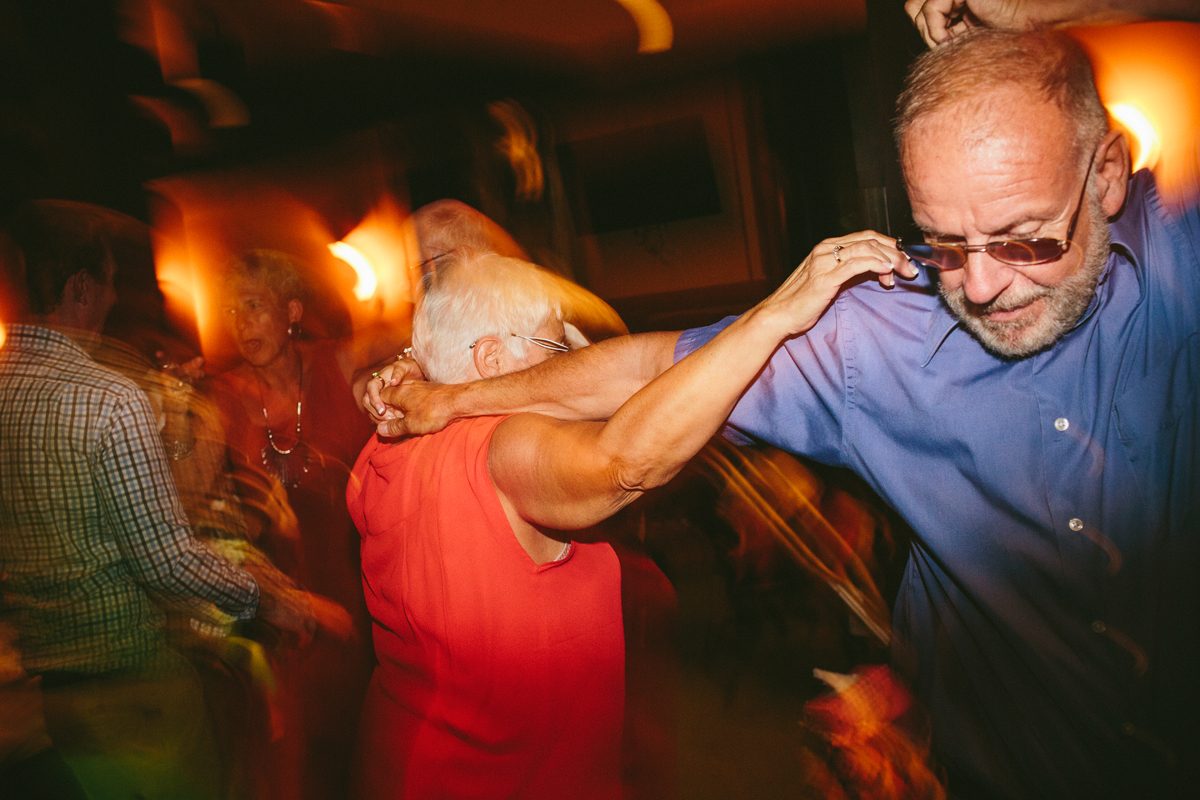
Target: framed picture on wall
pixel 660 194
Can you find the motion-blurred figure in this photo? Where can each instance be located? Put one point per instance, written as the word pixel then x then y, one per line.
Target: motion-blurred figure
pixel 288 412
pixel 872 740
pixel 449 227
pixel 92 533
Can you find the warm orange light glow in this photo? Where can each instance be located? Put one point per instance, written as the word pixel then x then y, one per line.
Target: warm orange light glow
pixel 295 206
pixel 655 31
pixel 364 288
pixel 1153 67
pixel 386 241
pixel 3 335
pixel 1149 147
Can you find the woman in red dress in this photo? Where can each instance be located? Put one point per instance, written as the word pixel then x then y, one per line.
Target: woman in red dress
pixel 496 623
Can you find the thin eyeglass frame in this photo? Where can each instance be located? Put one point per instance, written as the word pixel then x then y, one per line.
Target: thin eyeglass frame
pixel 548 344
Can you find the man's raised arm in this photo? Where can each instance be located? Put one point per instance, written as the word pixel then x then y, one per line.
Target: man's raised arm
pixel 586 384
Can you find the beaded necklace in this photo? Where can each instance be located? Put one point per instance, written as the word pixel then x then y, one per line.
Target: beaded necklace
pixel 278 461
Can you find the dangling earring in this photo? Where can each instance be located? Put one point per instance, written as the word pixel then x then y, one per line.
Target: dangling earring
pixel 294 330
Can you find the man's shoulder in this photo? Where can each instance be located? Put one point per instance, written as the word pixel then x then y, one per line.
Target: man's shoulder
pixel 1145 214
pixel 100 381
pixel 910 312
pixel 46 357
pixel 1163 243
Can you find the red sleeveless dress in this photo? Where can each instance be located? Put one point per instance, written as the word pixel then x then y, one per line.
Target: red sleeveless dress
pixel 497 677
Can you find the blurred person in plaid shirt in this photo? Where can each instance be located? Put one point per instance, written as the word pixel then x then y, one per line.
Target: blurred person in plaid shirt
pixel 93 537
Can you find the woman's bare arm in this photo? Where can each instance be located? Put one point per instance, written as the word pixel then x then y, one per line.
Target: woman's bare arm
pixel 568 475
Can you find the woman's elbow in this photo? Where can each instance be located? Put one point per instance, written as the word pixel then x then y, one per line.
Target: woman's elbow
pixel 636 477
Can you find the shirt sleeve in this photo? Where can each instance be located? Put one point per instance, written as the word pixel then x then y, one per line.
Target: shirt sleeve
pixel 138 496
pixel 797 401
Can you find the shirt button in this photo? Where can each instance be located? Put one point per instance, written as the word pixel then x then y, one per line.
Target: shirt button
pixel 1076 524
pixel 1099 627
pixel 1062 423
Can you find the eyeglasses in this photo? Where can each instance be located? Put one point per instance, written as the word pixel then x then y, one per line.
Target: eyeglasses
pixel 1015 252
pixel 548 344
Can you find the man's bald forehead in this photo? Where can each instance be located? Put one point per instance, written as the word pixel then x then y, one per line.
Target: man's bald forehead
pixel 986 67
pixel 1006 117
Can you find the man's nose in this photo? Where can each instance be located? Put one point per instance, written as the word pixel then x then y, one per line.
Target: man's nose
pixel 984 278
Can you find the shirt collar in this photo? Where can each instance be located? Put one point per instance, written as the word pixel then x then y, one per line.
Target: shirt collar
pixel 39 337
pixel 941 322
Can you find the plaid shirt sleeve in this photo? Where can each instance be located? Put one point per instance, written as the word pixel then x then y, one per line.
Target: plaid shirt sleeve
pixel 138 495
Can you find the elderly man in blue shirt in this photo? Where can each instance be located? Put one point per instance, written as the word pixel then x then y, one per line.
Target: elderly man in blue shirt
pixel 1027 403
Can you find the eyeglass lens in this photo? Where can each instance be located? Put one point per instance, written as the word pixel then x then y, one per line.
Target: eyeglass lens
pixel 1018 252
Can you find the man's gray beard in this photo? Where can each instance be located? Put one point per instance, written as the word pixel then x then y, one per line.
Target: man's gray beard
pixel 1065 303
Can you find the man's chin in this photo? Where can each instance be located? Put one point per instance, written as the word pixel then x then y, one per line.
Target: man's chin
pixel 1012 340
pixel 1014 334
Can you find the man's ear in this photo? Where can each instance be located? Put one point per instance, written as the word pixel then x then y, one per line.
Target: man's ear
pixel 295 310
pixel 1112 172
pixel 488 353
pixel 76 290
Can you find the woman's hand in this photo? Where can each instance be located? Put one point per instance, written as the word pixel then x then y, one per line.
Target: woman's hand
pixel 289 610
pixel 418 407
pixel 187 372
pixel 939 20
pixel 401 402
pixel 397 372
pixel 797 304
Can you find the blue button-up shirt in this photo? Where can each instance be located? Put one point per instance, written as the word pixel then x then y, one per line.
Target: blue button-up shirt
pixel 1048 616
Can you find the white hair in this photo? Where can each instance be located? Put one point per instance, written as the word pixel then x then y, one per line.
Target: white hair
pixel 472 297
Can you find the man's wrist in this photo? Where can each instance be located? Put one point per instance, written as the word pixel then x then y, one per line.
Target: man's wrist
pixel 462 399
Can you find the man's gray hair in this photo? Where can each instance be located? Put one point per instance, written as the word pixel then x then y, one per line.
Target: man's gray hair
pixel 1050 64
pixel 475 296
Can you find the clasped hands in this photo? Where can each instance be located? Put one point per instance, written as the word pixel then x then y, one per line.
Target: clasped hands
pixel 400 401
